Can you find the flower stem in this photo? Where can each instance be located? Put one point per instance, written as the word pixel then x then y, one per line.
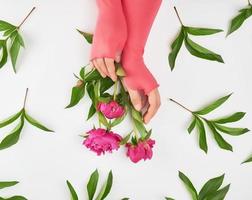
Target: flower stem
pixel 176 11
pixel 181 105
pixel 26 17
pixel 25 99
pixel 115 90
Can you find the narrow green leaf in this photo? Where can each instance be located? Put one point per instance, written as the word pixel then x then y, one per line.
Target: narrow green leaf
pixel 176 45
pixel 16 198
pixel 125 139
pixel 202 134
pixel 212 106
pixel 106 188
pixel 82 73
pixel 10 119
pixel 219 195
pixel 78 93
pixel 13 137
pixel 201 52
pixel 14 51
pixel 232 118
pixel 7 184
pixel 219 139
pixel 4 56
pixel 6 25
pixel 93 76
pixel 141 128
pixel 92 184
pixel 37 124
pixel 211 187
pixel 192 126
pixel 87 36
pixel 118 120
pixel 136 115
pixel 106 83
pixel 188 185
pixel 91 112
pixel 168 198
pixel 73 193
pixel 202 31
pixel 231 130
pixel 102 119
pixel 247 160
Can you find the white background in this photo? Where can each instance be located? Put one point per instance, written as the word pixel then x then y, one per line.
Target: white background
pixel 54 51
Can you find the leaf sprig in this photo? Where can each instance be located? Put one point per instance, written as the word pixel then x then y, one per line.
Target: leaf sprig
pixel 194 48
pixel 238 20
pixel 88 36
pixel 92 187
pixel 7 184
pixel 215 125
pixel 211 189
pixel 13 137
pixel 11 41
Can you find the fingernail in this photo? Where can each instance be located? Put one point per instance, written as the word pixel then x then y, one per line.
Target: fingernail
pixel 138 107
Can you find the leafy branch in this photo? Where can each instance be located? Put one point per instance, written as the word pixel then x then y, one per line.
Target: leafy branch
pixel 194 48
pixel 13 137
pixel 210 190
pixel 7 184
pixel 92 187
pixel 11 42
pixel 238 20
pixel 215 125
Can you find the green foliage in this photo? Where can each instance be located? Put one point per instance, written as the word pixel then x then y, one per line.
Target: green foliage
pixel 88 36
pixel 6 184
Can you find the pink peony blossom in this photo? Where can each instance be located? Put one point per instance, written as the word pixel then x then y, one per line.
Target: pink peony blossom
pixel 143 150
pixel 101 141
pixel 111 110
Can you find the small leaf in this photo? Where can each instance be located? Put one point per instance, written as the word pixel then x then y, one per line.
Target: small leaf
pixel 4 56
pixel 92 184
pixel 202 134
pixel 219 139
pixel 169 198
pixel 136 115
pixel 14 50
pixel 36 123
pixel 125 139
pixel 82 73
pixel 188 185
pixel 106 188
pixel 13 137
pixel 176 45
pixel 6 26
pixel 211 187
pixel 103 120
pixel 93 76
pixel 7 184
pixel 202 31
pixel 118 120
pixel 73 193
pixel 141 128
pixel 10 119
pixel 78 93
pixel 87 36
pixel 247 160
pixel 231 130
pixel 232 118
pixel 15 198
pixel 212 106
pixel 192 126
pixel 91 112
pixel 201 52
pixel 105 84
pixel 220 194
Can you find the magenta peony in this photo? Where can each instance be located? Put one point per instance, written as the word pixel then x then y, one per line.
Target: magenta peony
pixel 111 110
pixel 143 150
pixel 101 141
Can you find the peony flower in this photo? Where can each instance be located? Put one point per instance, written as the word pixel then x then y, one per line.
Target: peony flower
pixel 143 150
pixel 111 110
pixel 101 141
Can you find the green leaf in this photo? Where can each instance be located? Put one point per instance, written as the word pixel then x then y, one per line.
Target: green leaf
pixel 188 185
pixel 10 119
pixel 92 184
pixel 247 160
pixel 231 130
pixel 106 188
pixel 211 187
pixel 118 120
pixel 14 50
pixel 125 139
pixel 13 137
pixel 201 52
pixel 141 128
pixel 192 126
pixel 16 198
pixel 93 76
pixel 87 36
pixel 202 134
pixel 201 31
pixel 103 120
pixel 4 56
pixel 136 115
pixel 237 21
pixel 106 83
pixel 6 26
pixel 73 193
pixel 232 118
pixel 220 194
pixel 36 123
pixel 219 139
pixel 212 106
pixel 91 112
pixel 82 73
pixel 176 45
pixel 78 93
pixel 7 184
pixel 169 198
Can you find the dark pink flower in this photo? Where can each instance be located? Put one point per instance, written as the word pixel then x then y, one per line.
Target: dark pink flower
pixel 143 150
pixel 101 141
pixel 111 110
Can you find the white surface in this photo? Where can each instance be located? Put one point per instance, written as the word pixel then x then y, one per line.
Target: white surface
pixel 54 51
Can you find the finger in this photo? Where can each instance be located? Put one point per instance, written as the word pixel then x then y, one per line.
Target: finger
pixel 111 68
pixel 98 68
pixel 100 62
pixel 154 104
pixel 118 58
pixel 136 99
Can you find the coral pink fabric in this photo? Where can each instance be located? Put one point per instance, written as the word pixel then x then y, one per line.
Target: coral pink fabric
pixel 140 15
pixel 111 31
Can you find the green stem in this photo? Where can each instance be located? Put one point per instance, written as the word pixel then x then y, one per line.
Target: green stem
pixel 26 17
pixel 115 90
pixel 25 99
pixel 181 106
pixel 176 11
